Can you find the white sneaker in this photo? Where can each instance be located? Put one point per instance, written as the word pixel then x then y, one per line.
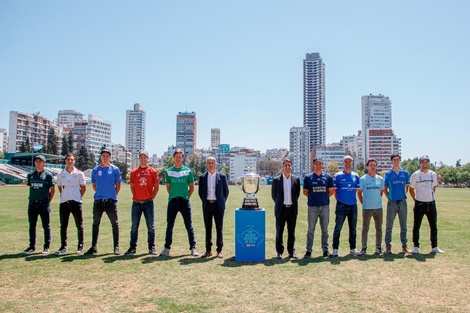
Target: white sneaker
pixel 355 252
pixel 335 253
pixel 436 250
pixel 194 252
pixel 415 250
pixel 165 252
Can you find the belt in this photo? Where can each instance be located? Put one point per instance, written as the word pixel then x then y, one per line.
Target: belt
pixel 104 200
pixel 287 205
pixel 211 201
pixel 143 201
pixel 37 201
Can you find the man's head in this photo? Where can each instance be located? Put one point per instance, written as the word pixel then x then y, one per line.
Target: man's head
pixel 211 164
pixel 424 163
pixel 395 157
pixel 347 162
pixel 287 166
pixel 371 166
pixel 178 157
pixel 143 158
pixel 317 165
pixel 69 160
pixel 39 162
pixel 105 156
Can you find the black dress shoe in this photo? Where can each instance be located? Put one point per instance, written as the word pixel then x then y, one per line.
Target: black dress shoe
pixel 207 254
pixel 293 256
pixel 92 250
pixel 279 256
pixel 327 254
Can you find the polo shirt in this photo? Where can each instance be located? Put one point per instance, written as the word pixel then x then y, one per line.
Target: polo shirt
pixel 71 185
pixel 371 188
pixel 318 188
pixel 346 185
pixel 106 179
pixel 39 183
pixel 396 183
pixel 424 184
pixel 143 179
pixel 179 180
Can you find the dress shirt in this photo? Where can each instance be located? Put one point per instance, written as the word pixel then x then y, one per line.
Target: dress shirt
pixel 211 186
pixel 287 183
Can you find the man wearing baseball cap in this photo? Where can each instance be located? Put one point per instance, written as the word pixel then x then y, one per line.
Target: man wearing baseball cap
pixel 41 192
pixel 106 182
pixel 144 188
pixel 318 188
pixel 423 185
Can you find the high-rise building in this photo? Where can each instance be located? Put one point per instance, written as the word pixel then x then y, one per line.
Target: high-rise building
pixel 379 140
pixel 186 132
pixel 314 99
pixel 299 139
pixel 32 127
pixel 69 117
pixel 98 134
pixel 215 139
pixel 3 140
pixel 135 131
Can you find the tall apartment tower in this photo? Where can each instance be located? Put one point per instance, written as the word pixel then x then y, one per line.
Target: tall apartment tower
pixel 135 132
pixel 215 139
pixel 69 117
pixel 33 127
pixel 186 132
pixel 379 140
pixel 314 99
pixel 299 148
pixel 98 134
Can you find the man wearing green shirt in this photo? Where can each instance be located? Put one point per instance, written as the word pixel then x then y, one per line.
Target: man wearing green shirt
pixel 180 186
pixel 41 192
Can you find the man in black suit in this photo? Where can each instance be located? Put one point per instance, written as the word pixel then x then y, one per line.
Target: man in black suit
pixel 285 193
pixel 213 191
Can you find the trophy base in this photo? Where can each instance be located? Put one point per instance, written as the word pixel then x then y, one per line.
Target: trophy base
pixel 250 204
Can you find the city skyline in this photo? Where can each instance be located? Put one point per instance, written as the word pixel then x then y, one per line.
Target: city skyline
pixel 242 77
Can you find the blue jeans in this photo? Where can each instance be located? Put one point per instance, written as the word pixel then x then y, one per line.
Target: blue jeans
pixel 38 208
pixel 315 212
pixel 183 206
pixel 147 208
pixel 342 212
pixel 395 207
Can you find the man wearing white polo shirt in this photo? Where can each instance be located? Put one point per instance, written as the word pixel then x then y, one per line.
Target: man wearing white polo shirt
pixel 72 186
pixel 422 188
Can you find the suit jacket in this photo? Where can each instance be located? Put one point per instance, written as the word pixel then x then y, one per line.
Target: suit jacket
pixel 221 189
pixel 277 193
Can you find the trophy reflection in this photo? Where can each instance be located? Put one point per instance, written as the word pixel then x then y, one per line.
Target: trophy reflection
pixel 250 184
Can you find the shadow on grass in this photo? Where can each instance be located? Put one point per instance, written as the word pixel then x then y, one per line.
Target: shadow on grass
pixel 421 257
pixel 14 256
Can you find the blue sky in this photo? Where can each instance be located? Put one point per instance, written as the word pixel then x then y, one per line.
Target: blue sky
pixel 238 65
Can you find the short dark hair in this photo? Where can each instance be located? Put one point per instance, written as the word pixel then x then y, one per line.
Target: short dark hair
pixel 67 155
pixel 286 160
pixel 178 151
pixel 395 155
pixel 371 160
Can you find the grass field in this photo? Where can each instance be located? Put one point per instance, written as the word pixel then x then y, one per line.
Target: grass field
pixel 181 283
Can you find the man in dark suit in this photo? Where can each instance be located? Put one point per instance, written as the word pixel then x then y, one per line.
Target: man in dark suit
pixel 285 193
pixel 213 191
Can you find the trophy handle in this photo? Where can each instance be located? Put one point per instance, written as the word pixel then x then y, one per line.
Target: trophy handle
pixel 238 182
pixel 262 182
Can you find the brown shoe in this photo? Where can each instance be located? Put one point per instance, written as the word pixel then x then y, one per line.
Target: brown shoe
pixel 388 250
pixel 207 254
pixel 220 255
pixel 406 249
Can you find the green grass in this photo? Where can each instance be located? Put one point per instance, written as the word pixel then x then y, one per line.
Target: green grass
pixel 181 283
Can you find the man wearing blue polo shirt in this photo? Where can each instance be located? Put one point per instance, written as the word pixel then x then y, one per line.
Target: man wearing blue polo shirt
pixel 106 182
pixel 397 181
pixel 346 184
pixel 318 187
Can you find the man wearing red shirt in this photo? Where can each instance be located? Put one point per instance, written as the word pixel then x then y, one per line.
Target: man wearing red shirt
pixel 144 188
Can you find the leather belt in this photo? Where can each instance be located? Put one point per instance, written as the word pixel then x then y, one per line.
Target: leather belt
pixel 104 200
pixel 143 201
pixel 211 201
pixel 37 201
pixel 287 205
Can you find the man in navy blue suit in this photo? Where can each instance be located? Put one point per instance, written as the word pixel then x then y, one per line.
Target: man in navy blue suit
pixel 213 191
pixel 285 193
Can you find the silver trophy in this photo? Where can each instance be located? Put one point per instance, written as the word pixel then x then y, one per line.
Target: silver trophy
pixel 250 184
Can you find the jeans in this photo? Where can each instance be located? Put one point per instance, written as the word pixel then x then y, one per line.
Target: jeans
pixel 395 207
pixel 429 209
pixel 110 207
pixel 147 208
pixel 315 212
pixel 212 211
pixel 377 214
pixel 183 206
pixel 342 212
pixel 65 208
pixel 39 208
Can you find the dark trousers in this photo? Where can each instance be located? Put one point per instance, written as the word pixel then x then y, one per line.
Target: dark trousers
pixel 288 217
pixel 38 208
pixel 146 208
pixel 342 212
pixel 65 209
pixel 419 211
pixel 110 207
pixel 183 206
pixel 211 211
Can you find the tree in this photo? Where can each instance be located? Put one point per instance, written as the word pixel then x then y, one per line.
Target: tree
pixel 52 142
pixel 123 168
pixel 411 165
pixel 168 162
pixel 193 161
pixel 25 146
pixel 450 174
pixel 332 167
pixel 85 159
pixel 2 155
pixel 269 167
pixel 65 146
pixel 161 174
